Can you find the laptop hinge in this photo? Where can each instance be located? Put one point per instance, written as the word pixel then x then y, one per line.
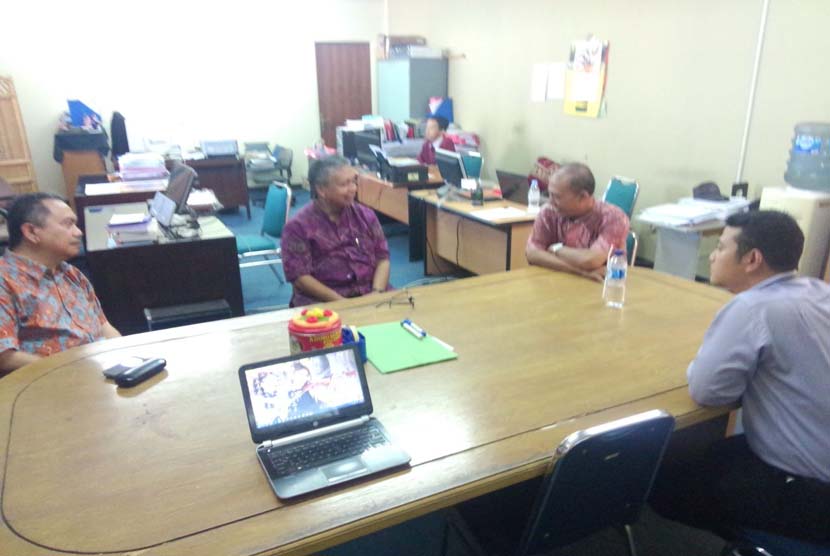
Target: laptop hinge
pixel 316 432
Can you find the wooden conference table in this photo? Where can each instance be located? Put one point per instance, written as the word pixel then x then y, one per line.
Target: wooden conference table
pixel 168 467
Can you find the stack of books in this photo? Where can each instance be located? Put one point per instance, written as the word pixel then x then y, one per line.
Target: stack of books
pixel 125 229
pixel 142 166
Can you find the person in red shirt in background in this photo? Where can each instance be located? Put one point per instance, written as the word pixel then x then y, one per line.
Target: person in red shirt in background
pixel 435 139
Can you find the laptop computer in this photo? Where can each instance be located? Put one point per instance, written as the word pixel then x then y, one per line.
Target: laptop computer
pixel 513 186
pixel 309 414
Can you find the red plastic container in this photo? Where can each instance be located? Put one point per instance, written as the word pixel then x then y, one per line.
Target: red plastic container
pixel 308 331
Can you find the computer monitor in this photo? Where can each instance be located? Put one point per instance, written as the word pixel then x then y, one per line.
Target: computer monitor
pixel 179 186
pixel 450 165
pixel 362 141
pixel 472 163
pixel 347 144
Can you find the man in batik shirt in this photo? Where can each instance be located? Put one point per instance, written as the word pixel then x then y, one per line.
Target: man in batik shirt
pixel 574 232
pixel 334 248
pixel 46 305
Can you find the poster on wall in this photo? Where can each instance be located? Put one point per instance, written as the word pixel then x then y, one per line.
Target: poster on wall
pixel 585 77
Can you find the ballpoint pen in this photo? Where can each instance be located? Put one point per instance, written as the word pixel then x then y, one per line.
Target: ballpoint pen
pixel 413 329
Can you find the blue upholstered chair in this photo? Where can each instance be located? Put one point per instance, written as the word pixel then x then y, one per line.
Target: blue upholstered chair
pixel 622 192
pixel 262 249
pixel 600 477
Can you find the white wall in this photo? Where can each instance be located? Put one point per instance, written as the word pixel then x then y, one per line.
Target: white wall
pixel 177 70
pixel 678 82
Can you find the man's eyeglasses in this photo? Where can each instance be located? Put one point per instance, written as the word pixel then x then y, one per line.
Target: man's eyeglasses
pixel 403 297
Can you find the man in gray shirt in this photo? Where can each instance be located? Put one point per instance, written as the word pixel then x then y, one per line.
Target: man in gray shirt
pixel 769 347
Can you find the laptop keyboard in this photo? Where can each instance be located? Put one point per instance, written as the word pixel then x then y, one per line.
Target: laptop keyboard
pixel 319 451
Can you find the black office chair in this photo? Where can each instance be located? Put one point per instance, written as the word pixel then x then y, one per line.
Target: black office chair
pixel 600 477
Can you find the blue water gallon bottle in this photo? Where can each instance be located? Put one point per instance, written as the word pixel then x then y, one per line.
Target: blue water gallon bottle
pixel 809 164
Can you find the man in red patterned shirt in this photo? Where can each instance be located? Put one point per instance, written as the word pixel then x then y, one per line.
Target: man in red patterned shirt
pixel 574 232
pixel 46 305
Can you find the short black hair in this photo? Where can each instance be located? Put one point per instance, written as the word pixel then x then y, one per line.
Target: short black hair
pixel 579 176
pixel 321 170
pixel 443 123
pixel 774 233
pixel 27 209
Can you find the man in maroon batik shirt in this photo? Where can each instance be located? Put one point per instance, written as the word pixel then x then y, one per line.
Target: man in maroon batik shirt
pixel 333 247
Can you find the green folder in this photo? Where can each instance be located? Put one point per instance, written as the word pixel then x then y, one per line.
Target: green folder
pixel 391 348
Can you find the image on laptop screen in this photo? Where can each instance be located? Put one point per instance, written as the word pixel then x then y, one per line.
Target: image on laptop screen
pixel 312 387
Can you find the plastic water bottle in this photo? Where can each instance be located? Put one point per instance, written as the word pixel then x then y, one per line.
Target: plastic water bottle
pixel 534 197
pixel 614 290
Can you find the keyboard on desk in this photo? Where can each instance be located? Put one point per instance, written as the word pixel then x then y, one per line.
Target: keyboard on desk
pixel 307 454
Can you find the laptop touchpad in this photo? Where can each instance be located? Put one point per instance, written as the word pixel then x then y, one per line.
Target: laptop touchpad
pixel 344 469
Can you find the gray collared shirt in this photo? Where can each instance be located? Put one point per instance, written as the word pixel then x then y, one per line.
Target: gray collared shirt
pixel 770 347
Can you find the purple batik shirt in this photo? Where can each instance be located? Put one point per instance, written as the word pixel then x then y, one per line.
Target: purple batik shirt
pixel 341 255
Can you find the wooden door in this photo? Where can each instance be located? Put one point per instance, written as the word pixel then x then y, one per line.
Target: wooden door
pixel 15 159
pixel 344 87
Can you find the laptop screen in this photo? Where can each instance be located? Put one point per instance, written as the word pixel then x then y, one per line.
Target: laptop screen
pixel 179 185
pixel 304 391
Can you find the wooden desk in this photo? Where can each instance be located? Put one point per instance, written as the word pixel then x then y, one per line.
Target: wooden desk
pixel 392 200
pixel 226 177
pixel 455 236
pixel 171 272
pixel 82 200
pixel 78 163
pixel 168 468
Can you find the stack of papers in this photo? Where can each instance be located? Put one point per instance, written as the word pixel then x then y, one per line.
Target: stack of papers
pixel 500 213
pixel 725 209
pixel 679 215
pixel 132 228
pixel 693 212
pixel 203 200
pixel 112 188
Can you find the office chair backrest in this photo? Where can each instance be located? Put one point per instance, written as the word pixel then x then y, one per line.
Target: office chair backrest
pixel 623 193
pixel 277 205
pixel 472 164
pixel 600 477
pixel 257 147
pixel 284 156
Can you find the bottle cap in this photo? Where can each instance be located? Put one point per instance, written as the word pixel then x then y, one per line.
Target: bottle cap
pixel 619 252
